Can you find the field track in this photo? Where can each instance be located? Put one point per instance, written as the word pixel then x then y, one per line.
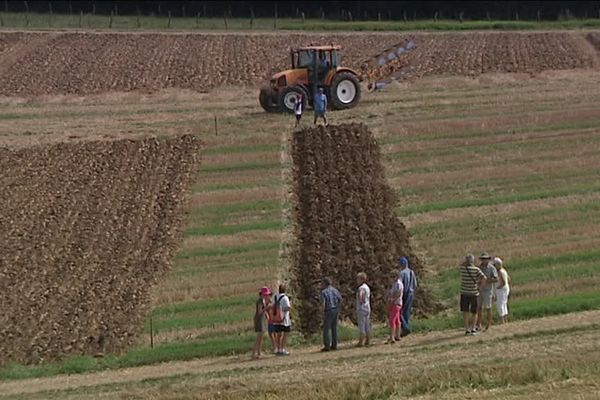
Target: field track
pixel 235 374
pixel 38 63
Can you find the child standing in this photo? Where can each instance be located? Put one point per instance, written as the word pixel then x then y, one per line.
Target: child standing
pixel 363 309
pixel 298 109
pixel 261 319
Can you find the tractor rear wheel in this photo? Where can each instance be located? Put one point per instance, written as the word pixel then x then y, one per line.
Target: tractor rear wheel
pixel 344 91
pixel 289 97
pixel 265 98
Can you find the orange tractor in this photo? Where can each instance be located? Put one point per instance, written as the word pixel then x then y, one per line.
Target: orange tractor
pixel 313 67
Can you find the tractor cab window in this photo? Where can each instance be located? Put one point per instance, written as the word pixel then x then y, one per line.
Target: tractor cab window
pixel 336 58
pixel 304 59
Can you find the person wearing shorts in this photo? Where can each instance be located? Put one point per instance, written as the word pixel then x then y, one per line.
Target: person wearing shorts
pixel 486 291
pixel 363 309
pixel 394 304
pixel 470 279
pixel 283 328
pixel 320 106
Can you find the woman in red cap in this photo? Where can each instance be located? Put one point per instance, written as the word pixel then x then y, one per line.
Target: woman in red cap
pixel 260 319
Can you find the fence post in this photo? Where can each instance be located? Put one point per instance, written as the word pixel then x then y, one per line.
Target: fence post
pixel 80 19
pixel 1 20
pixel 379 17
pixel 169 20
pixel 110 20
pixel 435 16
pixel 151 334
pixel 349 16
pixel 197 20
pixel 26 13
pixel 216 127
pixel 183 11
pixel 50 14
pixel 139 23
pixel 251 18
pixel 303 18
pixel 538 16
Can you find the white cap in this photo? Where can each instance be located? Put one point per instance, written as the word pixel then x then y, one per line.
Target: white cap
pixel 497 261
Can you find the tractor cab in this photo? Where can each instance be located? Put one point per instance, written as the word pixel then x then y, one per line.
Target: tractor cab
pixel 312 67
pixel 318 60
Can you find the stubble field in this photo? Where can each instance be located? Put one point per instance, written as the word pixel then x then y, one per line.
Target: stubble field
pixel 505 163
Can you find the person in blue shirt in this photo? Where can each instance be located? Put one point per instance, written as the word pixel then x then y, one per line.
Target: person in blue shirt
pixel 320 106
pixel 409 280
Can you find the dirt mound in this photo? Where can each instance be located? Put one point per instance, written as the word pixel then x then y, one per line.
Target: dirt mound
pixel 83 63
pixel 344 220
pixel 87 230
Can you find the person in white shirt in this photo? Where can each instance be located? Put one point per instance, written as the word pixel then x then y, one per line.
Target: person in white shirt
pixel 298 109
pixel 363 309
pixel 502 290
pixel 283 324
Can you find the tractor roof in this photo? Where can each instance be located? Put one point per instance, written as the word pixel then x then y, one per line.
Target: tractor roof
pixel 323 48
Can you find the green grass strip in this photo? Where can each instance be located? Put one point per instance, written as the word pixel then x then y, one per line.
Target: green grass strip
pixel 217 230
pixel 227 251
pixel 206 305
pixel 213 169
pixel 250 148
pixel 495 200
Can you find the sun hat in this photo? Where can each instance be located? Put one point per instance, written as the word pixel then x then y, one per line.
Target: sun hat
pixel 265 291
pixel 403 261
pixel 484 256
pixel 497 261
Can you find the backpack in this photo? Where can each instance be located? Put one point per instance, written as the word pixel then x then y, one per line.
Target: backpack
pixel 277 315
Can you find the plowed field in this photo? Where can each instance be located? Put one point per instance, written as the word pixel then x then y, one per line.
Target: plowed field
pixel 87 230
pixel 344 218
pixel 82 63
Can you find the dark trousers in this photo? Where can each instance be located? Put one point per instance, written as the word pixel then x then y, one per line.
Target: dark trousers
pixel 330 323
pixel 406 313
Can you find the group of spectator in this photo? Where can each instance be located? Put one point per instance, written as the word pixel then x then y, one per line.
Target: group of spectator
pixel 477 284
pixel 272 314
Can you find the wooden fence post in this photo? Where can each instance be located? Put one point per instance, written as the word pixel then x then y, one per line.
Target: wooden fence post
pixel 169 20
pixel 50 14
pixel 110 20
pixel 303 18
pixel 26 13
pixel 216 127
pixel 139 23
pixel 251 18
pixel 197 20
pixel 151 333
pixel 225 20
pixel 80 19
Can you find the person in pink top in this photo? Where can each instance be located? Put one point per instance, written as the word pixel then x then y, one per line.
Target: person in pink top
pixel 394 304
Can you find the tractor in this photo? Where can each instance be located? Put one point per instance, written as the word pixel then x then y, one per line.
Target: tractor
pixel 313 67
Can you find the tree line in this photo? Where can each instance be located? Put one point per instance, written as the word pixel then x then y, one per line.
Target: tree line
pixel 331 10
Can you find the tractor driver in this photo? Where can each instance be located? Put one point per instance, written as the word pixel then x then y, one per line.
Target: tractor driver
pixel 322 64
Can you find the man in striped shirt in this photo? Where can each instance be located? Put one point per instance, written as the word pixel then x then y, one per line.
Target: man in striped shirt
pixel 470 279
pixel 331 299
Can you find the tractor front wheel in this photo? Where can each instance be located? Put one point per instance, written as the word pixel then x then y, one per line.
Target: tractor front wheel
pixel 344 91
pixel 289 97
pixel 267 100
